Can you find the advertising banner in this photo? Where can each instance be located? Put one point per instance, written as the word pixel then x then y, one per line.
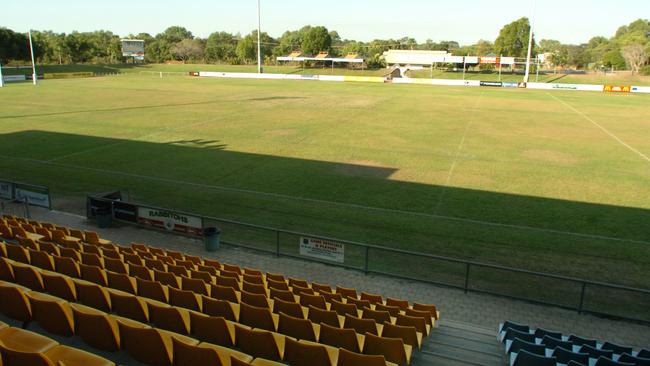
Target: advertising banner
pixel 133 48
pixel 497 84
pixel 68 75
pixel 489 60
pixel 322 249
pixel 9 78
pixel 507 60
pixel 555 86
pixel 641 89
pixel 471 59
pixel 7 190
pixel 125 211
pixel 36 196
pixel 617 89
pixel 506 84
pixel 454 59
pixel 364 79
pixel 170 221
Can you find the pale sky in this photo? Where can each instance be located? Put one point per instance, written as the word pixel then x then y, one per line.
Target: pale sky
pixel 570 21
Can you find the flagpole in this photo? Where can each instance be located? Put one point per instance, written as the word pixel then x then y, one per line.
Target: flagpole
pixel 31 49
pixel 259 45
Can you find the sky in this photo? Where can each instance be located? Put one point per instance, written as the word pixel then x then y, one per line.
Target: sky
pixel 569 21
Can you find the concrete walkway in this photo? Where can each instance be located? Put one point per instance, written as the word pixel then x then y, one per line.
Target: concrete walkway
pixel 476 309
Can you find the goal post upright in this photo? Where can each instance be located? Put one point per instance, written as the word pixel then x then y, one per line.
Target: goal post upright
pixel 31 49
pixel 2 80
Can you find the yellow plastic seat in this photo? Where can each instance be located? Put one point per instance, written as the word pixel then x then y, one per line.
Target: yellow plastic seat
pixel 66 266
pixel 59 285
pixel 41 260
pixel 373 298
pixel 419 323
pixel 204 354
pixel 93 295
pixel 122 282
pixel 301 353
pixel 152 290
pixel 427 307
pixel 129 306
pixel 256 317
pixel 171 318
pixel 219 308
pixel 115 265
pixel 92 259
pixel 408 334
pixel 278 285
pixel 196 285
pixel 321 316
pixel 260 343
pixel 212 329
pixel 348 358
pixel 93 274
pixel 96 328
pixel 64 355
pixel 298 328
pixel 28 276
pixel 140 272
pixel 185 299
pixel 362 326
pixel 254 299
pixel 393 349
pixel 290 308
pixel 52 313
pixel 346 292
pixel 15 303
pixel 341 338
pixel 378 316
pixel 282 295
pixel 344 309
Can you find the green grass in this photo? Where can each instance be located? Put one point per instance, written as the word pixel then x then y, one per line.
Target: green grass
pixel 614 79
pixel 365 162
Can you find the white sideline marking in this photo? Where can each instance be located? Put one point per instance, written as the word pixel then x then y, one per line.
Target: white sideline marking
pixel 459 149
pixel 645 157
pixel 333 203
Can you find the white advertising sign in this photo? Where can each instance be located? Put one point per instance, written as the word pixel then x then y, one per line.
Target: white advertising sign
pixel 170 221
pixel 41 199
pixel 322 249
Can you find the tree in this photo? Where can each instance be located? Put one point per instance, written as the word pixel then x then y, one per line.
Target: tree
pixel 635 55
pixel 246 49
pixel 483 47
pixel 220 47
pixel 549 46
pixel 613 59
pixel 317 39
pixel 513 39
pixel 175 34
pixel 187 49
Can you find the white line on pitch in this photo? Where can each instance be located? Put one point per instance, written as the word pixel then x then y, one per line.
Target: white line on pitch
pixel 645 157
pixel 459 149
pixel 332 203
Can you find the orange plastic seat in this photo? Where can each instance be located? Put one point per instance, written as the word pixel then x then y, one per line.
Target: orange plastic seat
pixel 345 338
pixel 52 314
pixel 254 299
pixel 96 328
pixel 28 276
pixel 378 316
pixel 316 301
pixel 256 317
pixel 15 303
pixel 298 328
pixel 393 349
pixel 362 326
pixel 260 343
pixel 129 306
pixel 185 299
pixel 152 290
pixel 121 281
pixel 346 292
pixel 322 316
pixel 290 308
pixel 218 308
pixel 212 329
pixel 59 285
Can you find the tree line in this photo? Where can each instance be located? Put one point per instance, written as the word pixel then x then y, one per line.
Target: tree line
pixel 629 48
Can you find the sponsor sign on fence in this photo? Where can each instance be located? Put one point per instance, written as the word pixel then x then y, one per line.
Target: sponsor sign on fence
pixel 322 249
pixel 365 79
pixel 497 84
pixel 36 196
pixel 9 78
pixel 6 190
pixel 125 211
pixel 640 89
pixel 170 221
pixel 617 89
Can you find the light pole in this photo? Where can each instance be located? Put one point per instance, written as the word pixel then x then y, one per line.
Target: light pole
pixel 259 37
pixel 31 48
pixel 530 44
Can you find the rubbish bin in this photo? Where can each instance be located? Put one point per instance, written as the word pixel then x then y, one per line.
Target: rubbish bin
pixel 104 218
pixel 211 238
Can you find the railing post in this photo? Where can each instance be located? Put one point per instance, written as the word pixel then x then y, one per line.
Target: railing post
pixel 27 213
pixel 365 267
pixel 467 277
pixel 277 243
pixel 582 297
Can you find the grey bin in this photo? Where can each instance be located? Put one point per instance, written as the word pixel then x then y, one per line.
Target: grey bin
pixel 104 217
pixel 211 238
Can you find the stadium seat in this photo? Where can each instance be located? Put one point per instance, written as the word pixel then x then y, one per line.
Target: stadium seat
pixel 344 309
pixel 428 307
pixel 16 340
pixel 362 326
pixel 28 276
pixel 564 355
pixel 257 317
pixel 27 243
pixel 155 264
pixel 392 310
pixel 166 278
pixel 115 265
pixel 605 361
pixel 552 343
pixel 595 352
pixel 616 348
pixel 17 253
pixel 360 304
pixel 298 328
pixel 70 253
pixel 231 268
pixel 92 259
pixel 212 263
pixel 518 344
pixel 289 308
pixel 6 270
pixel 209 269
pixel 329 296
pixel 93 295
pixel 282 295
pixel 140 272
pixel 525 358
pixel 91 237
pixel 96 328
pixel 59 285
pixel 178 270
pixel 185 299
pixel 225 293
pixel 122 282
pixel 212 329
pixel 298 282
pixel 93 274
pixel 578 341
pixel 374 299
pixel 300 353
pixel 66 266
pixel 408 334
pixel 205 276
pixel 377 315
pixel 260 343
pixel 541 333
pixel 321 288
pixel 278 285
pixel 129 306
pixel 15 303
pixel 228 282
pixel 254 288
pixel 254 299
pixel 511 333
pixel 52 313
pixel 204 354
pixel 393 349
pixel 91 249
pixel 152 290
pixel 218 308
pixel 421 314
pixel 317 301
pixel 195 285
pixel 346 292
pixel 341 338
pixel 132 259
pixel 299 290
pixel 49 248
pixel 348 358
pixel 508 324
pixel 148 345
pixel 171 318
pixel 638 361
pixel 320 316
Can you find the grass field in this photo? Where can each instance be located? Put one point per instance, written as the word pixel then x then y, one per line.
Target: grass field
pixel 616 79
pixel 549 181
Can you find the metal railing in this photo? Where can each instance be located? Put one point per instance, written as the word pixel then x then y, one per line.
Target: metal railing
pixel 584 296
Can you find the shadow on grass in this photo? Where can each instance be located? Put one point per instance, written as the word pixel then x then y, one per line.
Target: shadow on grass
pixel 358 202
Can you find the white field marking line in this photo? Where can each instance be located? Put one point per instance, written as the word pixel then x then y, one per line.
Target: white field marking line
pixel 459 149
pixel 645 157
pixel 332 203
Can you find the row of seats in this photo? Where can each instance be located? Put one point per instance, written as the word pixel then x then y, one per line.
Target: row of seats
pixel 165 293
pixel 526 346
pixel 178 319
pixel 157 346
pixel 23 347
